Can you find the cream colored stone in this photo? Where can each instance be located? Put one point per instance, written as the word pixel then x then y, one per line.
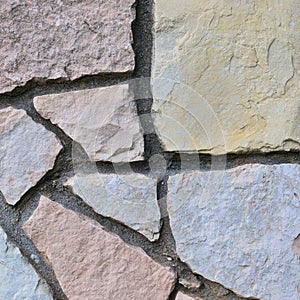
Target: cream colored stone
pixel 103 120
pixel 226 75
pixel 131 199
pixel 27 152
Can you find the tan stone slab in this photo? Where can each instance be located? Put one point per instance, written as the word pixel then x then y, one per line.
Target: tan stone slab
pixel 226 75
pixel 27 152
pixel 103 120
pixel 42 39
pixel 91 263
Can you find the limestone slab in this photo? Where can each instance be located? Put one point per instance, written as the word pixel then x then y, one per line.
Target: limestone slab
pixel 61 39
pixel 103 120
pixel 18 279
pixel 130 199
pixel 27 152
pixel 226 75
pixel 181 296
pixel 239 227
pixel 89 261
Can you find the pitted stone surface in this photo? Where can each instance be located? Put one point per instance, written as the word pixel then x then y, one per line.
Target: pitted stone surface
pixel 18 279
pixel 89 261
pixel 238 227
pixel 130 199
pixel 27 152
pixel 103 120
pixel 63 39
pixel 226 75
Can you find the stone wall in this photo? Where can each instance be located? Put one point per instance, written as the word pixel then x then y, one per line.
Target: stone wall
pixel 149 150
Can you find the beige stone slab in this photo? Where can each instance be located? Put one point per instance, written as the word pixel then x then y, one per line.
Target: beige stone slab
pixel 42 39
pixel 27 152
pixel 226 75
pixel 89 262
pixel 103 120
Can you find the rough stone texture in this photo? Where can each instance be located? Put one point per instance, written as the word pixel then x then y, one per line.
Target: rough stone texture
pixel 238 227
pixel 181 296
pixel 27 152
pixel 226 75
pixel 89 261
pixel 130 199
pixel 103 120
pixel 18 279
pixel 63 39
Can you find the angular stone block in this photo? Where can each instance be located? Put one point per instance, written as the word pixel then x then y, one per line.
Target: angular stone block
pixel 27 152
pixel 130 199
pixel 89 261
pixel 240 227
pixel 63 39
pixel 226 75
pixel 18 279
pixel 103 120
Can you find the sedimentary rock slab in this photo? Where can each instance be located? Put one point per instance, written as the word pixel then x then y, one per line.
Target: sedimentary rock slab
pixel 181 296
pixel 238 227
pixel 226 75
pixel 27 152
pixel 61 39
pixel 103 120
pixel 89 261
pixel 18 279
pixel 130 199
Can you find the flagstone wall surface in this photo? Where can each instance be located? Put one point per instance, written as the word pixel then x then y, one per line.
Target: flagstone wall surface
pixel 150 150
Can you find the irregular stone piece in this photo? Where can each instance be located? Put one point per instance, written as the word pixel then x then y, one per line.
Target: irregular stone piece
pixel 192 283
pixel 130 199
pixel 89 261
pixel 181 296
pixel 63 39
pixel 226 75
pixel 238 227
pixel 18 279
pixel 103 120
pixel 27 152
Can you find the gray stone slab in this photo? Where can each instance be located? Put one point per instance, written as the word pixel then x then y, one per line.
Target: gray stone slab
pixel 130 199
pixel 27 152
pixel 240 227
pixel 18 279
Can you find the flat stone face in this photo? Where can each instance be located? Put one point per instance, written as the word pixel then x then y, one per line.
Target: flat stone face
pixel 226 75
pixel 89 261
pixel 130 199
pixel 18 279
pixel 63 39
pixel 181 296
pixel 103 120
pixel 27 152
pixel 240 227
